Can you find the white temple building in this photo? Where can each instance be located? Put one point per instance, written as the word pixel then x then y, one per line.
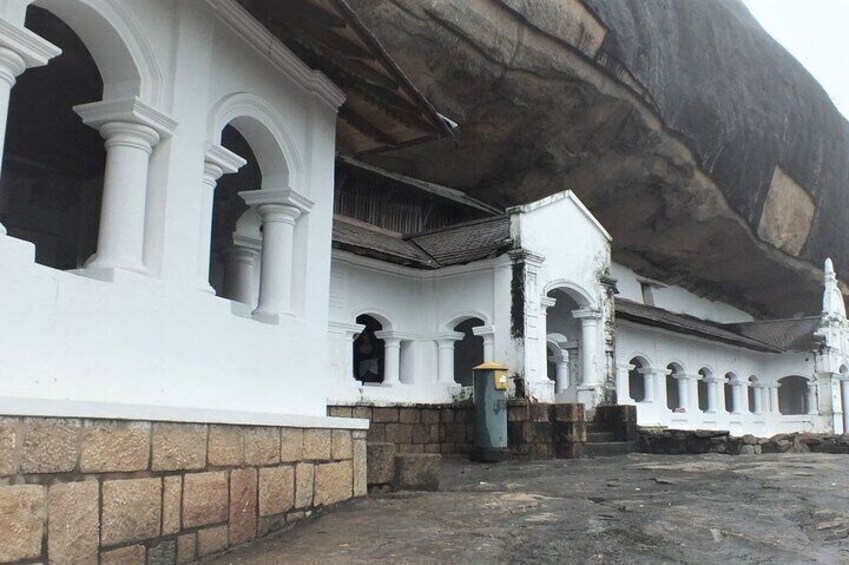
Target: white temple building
pixel 179 234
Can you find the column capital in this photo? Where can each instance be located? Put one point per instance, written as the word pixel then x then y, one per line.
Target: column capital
pixel 447 339
pixel 126 110
pixel 484 330
pixel 283 197
pixel 547 302
pixel 33 50
pixel 220 161
pixel 587 314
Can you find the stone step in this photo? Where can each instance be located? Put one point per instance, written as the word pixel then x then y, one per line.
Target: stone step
pixel 610 448
pixel 599 437
pixel 417 471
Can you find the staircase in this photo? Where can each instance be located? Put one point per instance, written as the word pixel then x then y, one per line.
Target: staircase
pixel 610 432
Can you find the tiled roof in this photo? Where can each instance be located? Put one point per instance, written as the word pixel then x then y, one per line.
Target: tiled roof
pixel 467 242
pixel 366 239
pixel 680 323
pixel 795 334
pixel 455 245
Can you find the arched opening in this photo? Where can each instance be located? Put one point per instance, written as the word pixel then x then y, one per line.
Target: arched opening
pixel 468 352
pixel 561 322
pixel 674 399
pixel 703 384
pixel 637 379
pixel 754 392
pixel 792 395
pixel 728 388
pixel 226 260
pixel 368 351
pixel 53 164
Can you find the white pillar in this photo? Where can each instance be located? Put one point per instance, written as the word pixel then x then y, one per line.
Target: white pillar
pixel 719 385
pixel 623 384
pixel 758 398
pixel 693 393
pixel 445 357
pixel 648 383
pixel 19 49
pixel 278 210
pixel 589 345
pixel 711 394
pixel 391 359
pixel 812 399
pixel 239 267
pixel 488 335
pixel 683 396
pixel 741 402
pixel 545 303
pixel 218 161
pixel 773 399
pixel 660 387
pixel 844 393
pixel 561 373
pixel 131 129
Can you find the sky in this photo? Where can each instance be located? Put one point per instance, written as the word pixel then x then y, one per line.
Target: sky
pixel 816 33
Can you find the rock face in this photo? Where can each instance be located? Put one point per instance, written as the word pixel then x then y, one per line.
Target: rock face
pixel 711 155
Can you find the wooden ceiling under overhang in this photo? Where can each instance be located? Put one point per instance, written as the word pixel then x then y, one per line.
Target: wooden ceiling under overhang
pixel 383 110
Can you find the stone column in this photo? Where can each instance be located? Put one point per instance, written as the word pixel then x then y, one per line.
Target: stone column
pixel 131 129
pixel 488 335
pixel 278 210
pixel 812 399
pixel 682 380
pixel 741 402
pixel 217 162
pixel 20 49
pixel 239 267
pixel 844 394
pixel 773 399
pixel 561 373
pixel 648 383
pixel 660 387
pixel 711 383
pixel 445 356
pixel 720 394
pixel 545 303
pixel 391 358
pixel 623 384
pixel 693 393
pixel 589 345
pixel 758 397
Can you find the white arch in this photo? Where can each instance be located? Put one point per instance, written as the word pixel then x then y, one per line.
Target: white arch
pixel 273 146
pixel 460 317
pixel 122 52
pixel 579 294
pixel 375 313
pixel 640 355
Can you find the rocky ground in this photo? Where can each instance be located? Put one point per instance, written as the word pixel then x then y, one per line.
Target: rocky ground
pixel 779 508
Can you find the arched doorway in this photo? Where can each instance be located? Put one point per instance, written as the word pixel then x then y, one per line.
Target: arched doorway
pixel 368 351
pixel 637 379
pixel 704 395
pixel 468 352
pixel 561 322
pixel 793 395
pixel 233 264
pixel 728 389
pixel 53 164
pixel 674 399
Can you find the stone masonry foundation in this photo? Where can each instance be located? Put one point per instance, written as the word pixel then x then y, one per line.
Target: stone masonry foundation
pixel 534 430
pixel 77 491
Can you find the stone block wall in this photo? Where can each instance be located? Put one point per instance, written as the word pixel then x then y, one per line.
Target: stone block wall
pixel 534 430
pixel 679 442
pixel 149 493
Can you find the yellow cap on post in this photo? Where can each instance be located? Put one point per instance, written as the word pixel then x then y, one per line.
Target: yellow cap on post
pixel 490 366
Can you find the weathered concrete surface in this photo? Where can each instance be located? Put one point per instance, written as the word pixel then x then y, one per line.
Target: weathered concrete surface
pixel 790 508
pixel 712 156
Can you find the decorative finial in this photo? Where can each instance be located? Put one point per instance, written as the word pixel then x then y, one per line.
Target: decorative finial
pixel 832 298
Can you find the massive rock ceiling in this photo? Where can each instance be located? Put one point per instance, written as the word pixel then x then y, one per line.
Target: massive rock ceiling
pixel 713 158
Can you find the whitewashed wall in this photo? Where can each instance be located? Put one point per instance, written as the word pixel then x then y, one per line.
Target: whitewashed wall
pixel 660 348
pixel 157 338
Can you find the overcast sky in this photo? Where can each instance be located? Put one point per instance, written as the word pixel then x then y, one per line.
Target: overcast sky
pixel 816 32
